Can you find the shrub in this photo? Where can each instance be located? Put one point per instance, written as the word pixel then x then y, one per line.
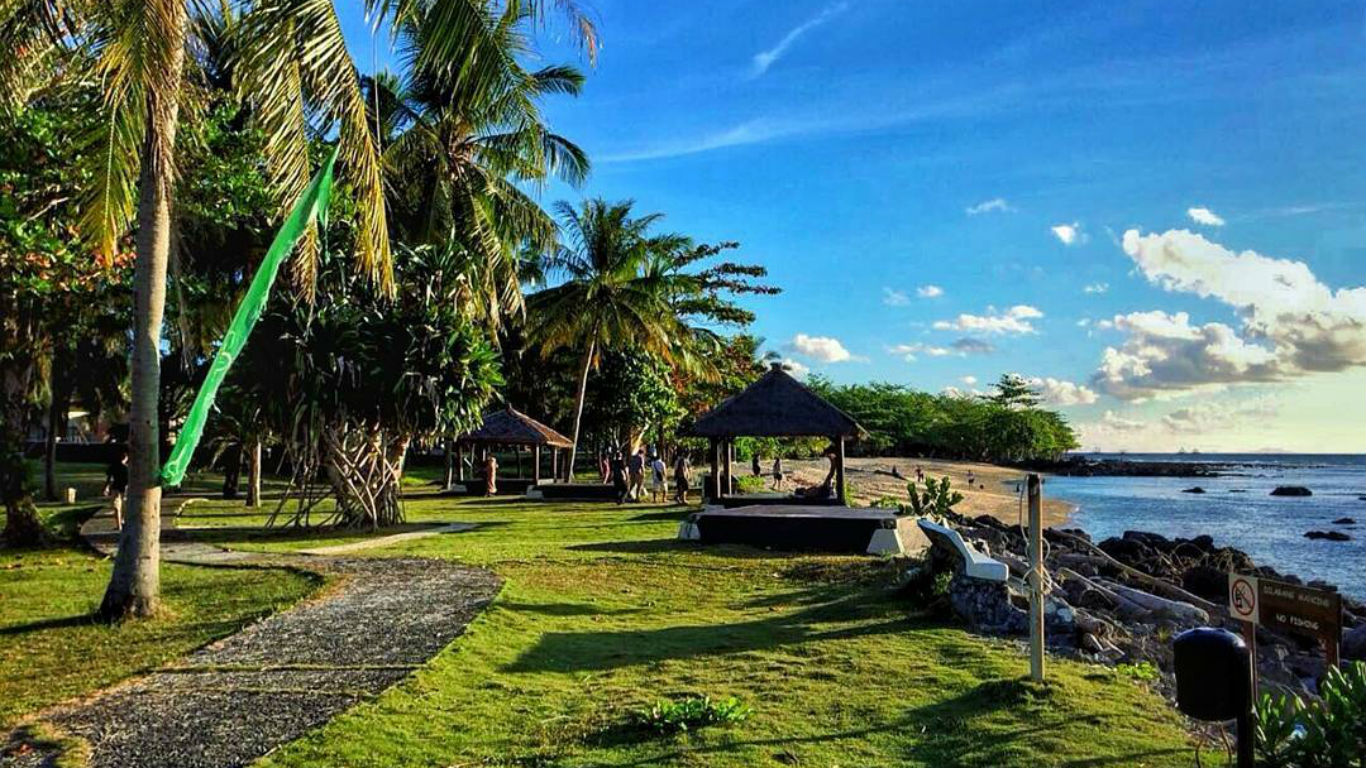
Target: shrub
pixel 691 713
pixel 1330 733
pixel 1143 670
pixel 935 501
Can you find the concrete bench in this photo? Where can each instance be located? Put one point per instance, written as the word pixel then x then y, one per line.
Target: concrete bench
pixel 975 564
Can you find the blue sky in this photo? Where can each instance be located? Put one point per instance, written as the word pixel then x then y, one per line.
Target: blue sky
pixel 943 191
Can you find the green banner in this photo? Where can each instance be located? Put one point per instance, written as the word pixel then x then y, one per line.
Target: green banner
pixel 312 204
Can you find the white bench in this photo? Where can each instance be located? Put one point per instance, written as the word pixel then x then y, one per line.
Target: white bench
pixel 975 564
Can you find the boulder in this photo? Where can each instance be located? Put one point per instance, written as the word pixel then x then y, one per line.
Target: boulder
pixel 1354 644
pixel 1329 535
pixel 1291 490
pixel 1344 521
pixel 1196 489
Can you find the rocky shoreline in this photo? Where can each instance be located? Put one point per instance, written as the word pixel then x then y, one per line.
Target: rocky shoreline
pixel 1123 599
pixel 1080 466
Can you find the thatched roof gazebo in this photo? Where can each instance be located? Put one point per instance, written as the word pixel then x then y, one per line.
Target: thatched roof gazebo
pixel 776 405
pixel 510 427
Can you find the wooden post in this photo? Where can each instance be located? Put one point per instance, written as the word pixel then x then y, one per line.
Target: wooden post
pixel 715 457
pixel 1250 637
pixel 460 460
pixel 1036 638
pixel 536 464
pixel 730 466
pixel 555 463
pixel 841 489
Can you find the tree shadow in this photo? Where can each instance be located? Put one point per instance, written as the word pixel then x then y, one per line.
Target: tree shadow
pixel 79 620
pixel 564 609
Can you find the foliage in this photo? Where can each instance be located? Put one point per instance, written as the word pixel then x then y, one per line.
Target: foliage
pixel 1329 733
pixel 691 713
pixel 904 422
pixel 631 395
pixel 1144 671
pixel 935 501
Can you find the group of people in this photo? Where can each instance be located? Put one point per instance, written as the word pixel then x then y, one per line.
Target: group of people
pixel 779 476
pixel 626 472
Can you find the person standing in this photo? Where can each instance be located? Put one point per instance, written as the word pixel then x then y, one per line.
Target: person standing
pixel 778 475
pixel 618 471
pixel 635 469
pixel 659 484
pixel 605 466
pixel 681 478
pixel 490 474
pixel 116 481
pixel 754 466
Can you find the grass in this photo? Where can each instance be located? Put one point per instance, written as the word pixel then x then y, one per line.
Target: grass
pixel 603 614
pixel 51 650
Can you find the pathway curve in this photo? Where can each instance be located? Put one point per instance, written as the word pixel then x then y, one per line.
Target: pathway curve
pixel 242 697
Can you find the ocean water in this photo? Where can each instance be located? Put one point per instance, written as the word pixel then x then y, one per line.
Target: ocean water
pixel 1237 509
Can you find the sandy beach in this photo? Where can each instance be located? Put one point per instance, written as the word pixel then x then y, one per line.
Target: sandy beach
pixel 994 491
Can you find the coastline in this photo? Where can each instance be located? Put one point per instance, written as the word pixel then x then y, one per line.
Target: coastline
pixel 994 493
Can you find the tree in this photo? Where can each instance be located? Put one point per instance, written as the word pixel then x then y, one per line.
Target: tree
pixel 293 64
pixel 1012 391
pixel 609 301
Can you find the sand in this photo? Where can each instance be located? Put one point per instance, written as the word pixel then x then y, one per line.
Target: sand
pixel 996 490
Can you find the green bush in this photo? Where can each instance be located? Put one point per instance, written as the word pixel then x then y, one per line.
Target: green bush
pixel 935 501
pixel 691 713
pixel 1143 670
pixel 1331 733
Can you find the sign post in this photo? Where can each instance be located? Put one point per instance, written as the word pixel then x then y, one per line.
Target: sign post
pixel 1284 607
pixel 1036 607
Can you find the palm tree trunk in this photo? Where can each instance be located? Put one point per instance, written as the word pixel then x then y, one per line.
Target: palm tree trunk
pixel 254 473
pixel 578 409
pixel 135 583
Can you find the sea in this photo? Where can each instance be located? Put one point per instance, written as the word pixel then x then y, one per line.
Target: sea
pixel 1237 509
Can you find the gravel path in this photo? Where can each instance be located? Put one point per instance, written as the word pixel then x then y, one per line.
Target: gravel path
pixel 242 697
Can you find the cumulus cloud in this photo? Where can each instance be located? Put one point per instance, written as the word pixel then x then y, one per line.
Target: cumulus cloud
pixel 1067 234
pixel 1114 422
pixel 1015 320
pixel 970 346
pixel 929 291
pixel 796 368
pixel 894 298
pixel 1210 415
pixel 1096 288
pixel 1291 324
pixel 765 59
pixel 1205 216
pixel 971 381
pixel 997 204
pixel 1061 392
pixel 960 348
pixel 826 349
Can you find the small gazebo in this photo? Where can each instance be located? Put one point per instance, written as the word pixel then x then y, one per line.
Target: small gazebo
pixel 511 428
pixel 776 405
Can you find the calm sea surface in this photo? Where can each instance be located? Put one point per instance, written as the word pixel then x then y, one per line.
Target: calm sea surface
pixel 1237 509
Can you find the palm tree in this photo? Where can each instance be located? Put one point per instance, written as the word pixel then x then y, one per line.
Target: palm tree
pixel 611 298
pixel 293 65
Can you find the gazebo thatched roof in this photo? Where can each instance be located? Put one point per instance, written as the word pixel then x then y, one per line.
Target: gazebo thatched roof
pixel 776 405
pixel 509 426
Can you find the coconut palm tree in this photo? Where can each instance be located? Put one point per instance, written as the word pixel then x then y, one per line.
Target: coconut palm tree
pixel 294 65
pixel 610 298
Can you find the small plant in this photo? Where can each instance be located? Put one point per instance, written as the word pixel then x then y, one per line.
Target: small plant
pixel 1293 733
pixel 1143 670
pixel 936 501
pixel 691 713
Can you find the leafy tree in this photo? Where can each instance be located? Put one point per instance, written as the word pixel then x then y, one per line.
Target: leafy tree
pixel 631 396
pixel 1012 391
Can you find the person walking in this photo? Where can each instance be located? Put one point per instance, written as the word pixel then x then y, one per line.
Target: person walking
pixel 659 483
pixel 618 471
pixel 754 466
pixel 635 468
pixel 490 474
pixel 605 466
pixel 778 475
pixel 681 471
pixel 116 481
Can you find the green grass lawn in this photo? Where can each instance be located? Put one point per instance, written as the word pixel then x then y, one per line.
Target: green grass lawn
pixel 603 613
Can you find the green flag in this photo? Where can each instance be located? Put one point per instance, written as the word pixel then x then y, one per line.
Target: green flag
pixel 312 204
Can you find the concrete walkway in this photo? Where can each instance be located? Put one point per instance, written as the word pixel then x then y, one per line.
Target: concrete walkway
pixel 238 699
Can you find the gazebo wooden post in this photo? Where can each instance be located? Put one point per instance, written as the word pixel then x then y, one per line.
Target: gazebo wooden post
pixel 730 464
pixel 520 473
pixel 841 491
pixel 536 464
pixel 555 463
pixel 714 454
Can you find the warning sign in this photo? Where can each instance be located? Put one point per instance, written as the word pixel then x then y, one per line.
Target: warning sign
pixel 1243 598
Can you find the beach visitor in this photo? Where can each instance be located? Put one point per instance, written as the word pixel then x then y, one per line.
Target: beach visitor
pixel 681 478
pixel 659 484
pixel 490 474
pixel 778 475
pixel 116 482
pixel 919 474
pixel 605 466
pixel 635 468
pixel 618 472
pixel 971 478
pixel 754 466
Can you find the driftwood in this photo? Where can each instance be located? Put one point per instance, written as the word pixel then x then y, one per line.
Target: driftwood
pixel 1176 609
pixel 1167 589
pixel 1122 604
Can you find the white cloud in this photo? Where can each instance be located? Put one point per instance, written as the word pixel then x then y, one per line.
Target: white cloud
pixel 894 298
pixel 1291 324
pixel 960 348
pixel 826 349
pixel 1060 392
pixel 1067 234
pixel 987 206
pixel 929 291
pixel 796 368
pixel 971 381
pixel 1015 320
pixel 1208 416
pixel 1205 216
pixel 1084 322
pixel 1117 423
pixel 1096 288
pixel 970 346
pixel 765 59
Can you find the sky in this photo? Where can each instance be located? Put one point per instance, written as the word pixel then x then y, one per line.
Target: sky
pixel 1156 211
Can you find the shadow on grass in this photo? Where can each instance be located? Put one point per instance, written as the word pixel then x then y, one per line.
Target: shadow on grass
pixel 862 614
pixel 80 620
pixel 564 609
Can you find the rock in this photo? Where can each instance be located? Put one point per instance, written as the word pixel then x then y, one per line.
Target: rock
pixel 1329 535
pixel 1354 644
pixel 1238 490
pixel 1344 521
pixel 1291 490
pixel 1207 582
pixel 1196 489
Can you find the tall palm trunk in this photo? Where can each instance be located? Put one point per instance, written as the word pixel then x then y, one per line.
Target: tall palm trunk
pixel 578 409
pixel 134 585
pixel 254 473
